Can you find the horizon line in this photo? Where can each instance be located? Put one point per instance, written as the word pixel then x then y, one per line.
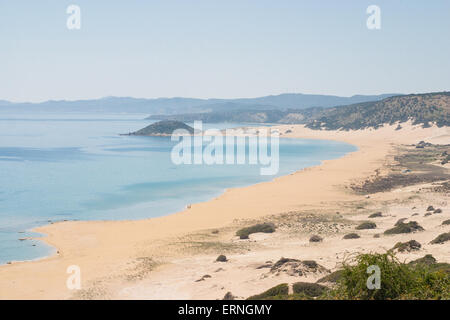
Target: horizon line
pixel 208 98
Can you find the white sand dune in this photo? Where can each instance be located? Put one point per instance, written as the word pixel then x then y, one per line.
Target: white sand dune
pixel 111 253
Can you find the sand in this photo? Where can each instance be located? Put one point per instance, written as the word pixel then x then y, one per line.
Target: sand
pixel 160 258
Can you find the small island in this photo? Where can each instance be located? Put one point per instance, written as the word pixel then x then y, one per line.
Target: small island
pixel 162 129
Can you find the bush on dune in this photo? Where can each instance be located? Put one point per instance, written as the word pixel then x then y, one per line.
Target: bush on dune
pixel 278 292
pixel 429 262
pixel 426 260
pixel 309 289
pixel 407 246
pixel 376 215
pixel 366 225
pixel 302 291
pixel 421 279
pixel 351 236
pixel 441 267
pixel 332 277
pixel 444 237
pixel 316 238
pixel 398 280
pixel 401 227
pixel 262 227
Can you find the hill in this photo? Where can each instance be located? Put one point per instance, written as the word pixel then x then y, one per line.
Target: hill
pixel 422 109
pixel 167 106
pixel 248 116
pixel 162 128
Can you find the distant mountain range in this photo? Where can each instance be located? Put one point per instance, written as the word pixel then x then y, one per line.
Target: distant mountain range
pixel 420 108
pixel 168 106
pixel 315 111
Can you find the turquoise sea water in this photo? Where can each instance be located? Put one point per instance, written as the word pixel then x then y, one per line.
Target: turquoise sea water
pixel 76 167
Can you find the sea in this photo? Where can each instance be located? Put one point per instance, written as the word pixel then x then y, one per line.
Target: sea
pixel 76 166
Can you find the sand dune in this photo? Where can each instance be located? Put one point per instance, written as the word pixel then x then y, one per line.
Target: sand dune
pixel 162 257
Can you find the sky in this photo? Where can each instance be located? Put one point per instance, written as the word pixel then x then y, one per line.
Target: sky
pixel 221 49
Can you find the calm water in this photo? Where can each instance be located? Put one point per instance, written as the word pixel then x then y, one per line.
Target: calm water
pixel 76 167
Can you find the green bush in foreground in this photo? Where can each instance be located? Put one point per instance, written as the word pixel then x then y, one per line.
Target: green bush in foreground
pixel 441 267
pixel 302 291
pixel 278 292
pixel 332 277
pixel 262 227
pixel 421 279
pixel 309 289
pixel 428 261
pixel 398 280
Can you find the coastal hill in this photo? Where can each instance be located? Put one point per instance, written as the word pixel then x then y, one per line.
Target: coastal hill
pixel 246 116
pixel 425 109
pixel 422 109
pixel 163 128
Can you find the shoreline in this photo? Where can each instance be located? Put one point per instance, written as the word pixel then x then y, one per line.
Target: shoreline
pixel 43 236
pixel 106 247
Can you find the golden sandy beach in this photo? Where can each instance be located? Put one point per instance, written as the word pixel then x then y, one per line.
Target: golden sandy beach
pixel 161 258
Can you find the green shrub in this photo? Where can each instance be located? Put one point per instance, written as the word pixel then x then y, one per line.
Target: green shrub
pixel 316 238
pixel 431 263
pixel 400 222
pixel 401 227
pixel 426 260
pixel 446 222
pixel 376 215
pixel 352 236
pixel 332 277
pixel 277 292
pixel 407 246
pixel 262 227
pixel 366 225
pixel 308 289
pixel 228 296
pixel 440 267
pixel 444 237
pixel 422 279
pixel 221 258
pixel 398 280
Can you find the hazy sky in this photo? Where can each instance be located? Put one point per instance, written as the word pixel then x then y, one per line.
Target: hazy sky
pixel 221 49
